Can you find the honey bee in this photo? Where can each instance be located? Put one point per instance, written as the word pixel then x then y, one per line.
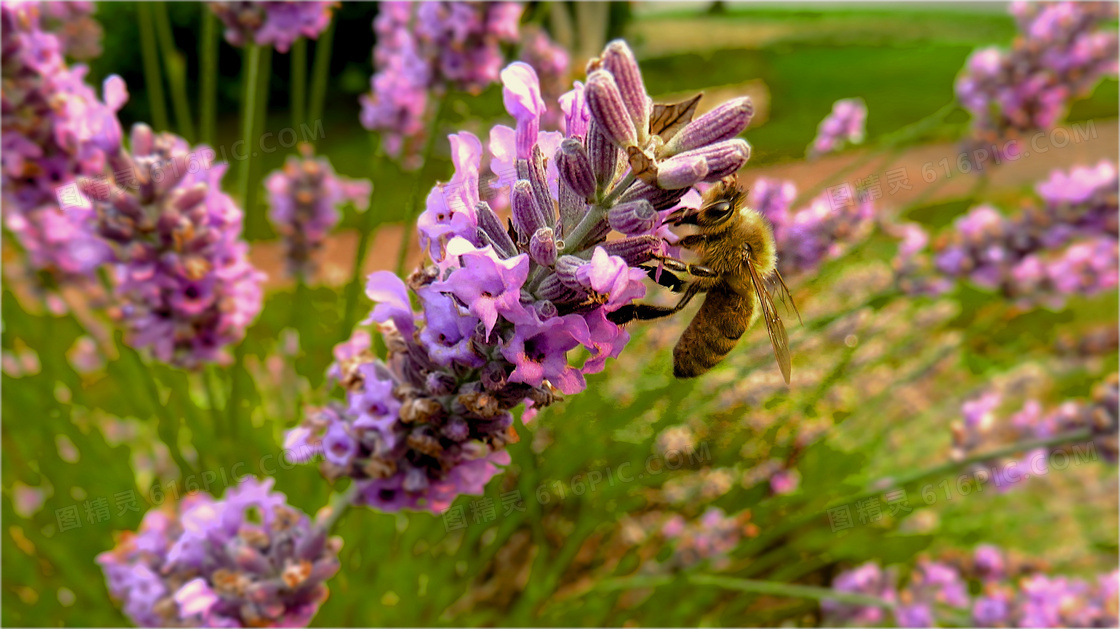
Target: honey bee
pixel 735 245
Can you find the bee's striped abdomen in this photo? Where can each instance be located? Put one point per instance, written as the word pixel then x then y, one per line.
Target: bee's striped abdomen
pixel 713 333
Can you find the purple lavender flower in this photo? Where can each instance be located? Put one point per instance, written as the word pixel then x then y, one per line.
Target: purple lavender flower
pixel 708 538
pixel 248 560
pixel 867 579
pixel 55 129
pixel 276 24
pixel 1064 49
pixel 304 197
pixel 807 237
pixel 552 64
pixel 845 124
pixel 423 50
pixel 1042 255
pixel 502 309
pixel 183 278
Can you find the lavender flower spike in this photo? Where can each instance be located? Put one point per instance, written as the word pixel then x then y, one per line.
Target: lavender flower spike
pixel 304 197
pixel 273 23
pixel 503 309
pixel 844 125
pixel 186 287
pixel 208 563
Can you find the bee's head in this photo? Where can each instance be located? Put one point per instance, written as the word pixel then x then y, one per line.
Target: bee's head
pixel 720 204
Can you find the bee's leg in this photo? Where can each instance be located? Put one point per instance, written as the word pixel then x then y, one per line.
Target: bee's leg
pixel 695 270
pixel 665 278
pixel 648 312
pixel 683 216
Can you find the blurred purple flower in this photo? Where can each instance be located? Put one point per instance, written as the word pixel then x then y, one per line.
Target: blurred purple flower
pixel 276 24
pixel 1063 50
pixel 304 197
pixel 422 51
pixel 845 124
pixel 55 129
pixel 183 278
pixel 248 560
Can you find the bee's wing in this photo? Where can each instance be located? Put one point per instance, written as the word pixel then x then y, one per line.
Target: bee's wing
pixel 774 327
pixel 777 283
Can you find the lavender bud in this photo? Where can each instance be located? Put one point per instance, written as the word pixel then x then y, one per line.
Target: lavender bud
pixel 546 309
pixel 539 181
pixel 141 139
pixel 723 159
pixel 456 429
pixel 607 108
pixel 660 199
pixel 681 172
pixel 542 247
pixel 619 61
pixel 554 290
pixel 493 232
pixel 604 155
pixel 720 124
pixel 494 375
pixel 567 268
pixel 527 215
pixel 575 168
pixel 635 217
pixel 634 251
pixel 572 207
pixel 190 197
pixel 415 480
pixel 440 383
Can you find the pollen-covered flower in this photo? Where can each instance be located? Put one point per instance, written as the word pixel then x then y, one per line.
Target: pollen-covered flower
pixel 423 50
pixel 503 308
pixel 248 560
pixel 304 197
pixel 845 124
pixel 55 129
pixel 183 278
pixel 1063 50
pixel 276 24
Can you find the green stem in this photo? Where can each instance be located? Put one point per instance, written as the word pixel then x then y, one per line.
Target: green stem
pixel 298 88
pixel 150 56
pixel 176 68
pixel 170 431
pixel 752 586
pixel 365 232
pixel 321 71
pixel 248 111
pixel 414 199
pixel 208 75
pixel 261 125
pixel 339 504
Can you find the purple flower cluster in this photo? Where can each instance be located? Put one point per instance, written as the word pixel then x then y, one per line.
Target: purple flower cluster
pixel 186 287
pixel 845 124
pixel 276 24
pixel 1062 51
pixel 807 237
pixel 304 197
pixel 1067 247
pixel 710 538
pixel 424 49
pixel 937 593
pixel 502 307
pixel 248 560
pixel 980 428
pixel 55 129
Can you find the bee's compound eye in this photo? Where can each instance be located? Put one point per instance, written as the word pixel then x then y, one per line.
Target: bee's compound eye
pixel 718 211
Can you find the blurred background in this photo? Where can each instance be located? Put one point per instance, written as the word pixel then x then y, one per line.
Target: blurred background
pixel 636 497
